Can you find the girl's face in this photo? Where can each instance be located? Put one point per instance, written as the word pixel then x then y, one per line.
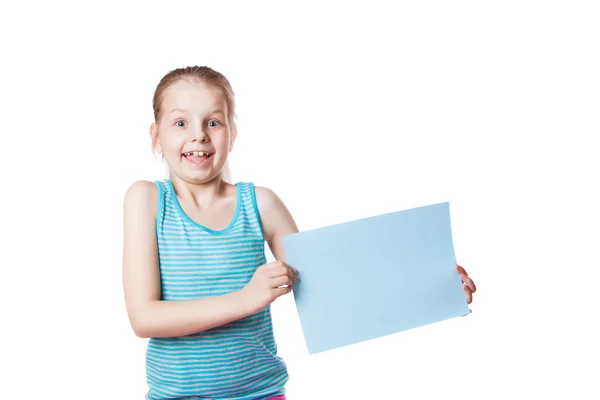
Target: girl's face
pixel 193 131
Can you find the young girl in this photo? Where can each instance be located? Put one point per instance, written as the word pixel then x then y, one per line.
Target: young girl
pixel 195 275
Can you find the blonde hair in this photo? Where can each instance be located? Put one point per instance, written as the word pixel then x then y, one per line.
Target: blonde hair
pixel 208 76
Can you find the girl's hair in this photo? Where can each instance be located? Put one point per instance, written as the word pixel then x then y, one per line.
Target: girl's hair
pixel 206 75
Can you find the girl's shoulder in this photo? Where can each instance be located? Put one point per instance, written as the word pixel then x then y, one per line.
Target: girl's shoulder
pixel 143 195
pixel 142 188
pixel 266 199
pixel 270 206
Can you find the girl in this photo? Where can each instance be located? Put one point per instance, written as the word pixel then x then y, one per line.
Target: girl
pixel 195 275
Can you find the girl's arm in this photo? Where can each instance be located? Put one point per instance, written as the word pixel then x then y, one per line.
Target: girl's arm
pixel 148 315
pixel 276 220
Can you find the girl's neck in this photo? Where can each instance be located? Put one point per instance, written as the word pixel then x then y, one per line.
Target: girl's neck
pixel 202 195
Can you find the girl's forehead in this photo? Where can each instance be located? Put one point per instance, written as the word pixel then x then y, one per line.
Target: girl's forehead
pixel 184 93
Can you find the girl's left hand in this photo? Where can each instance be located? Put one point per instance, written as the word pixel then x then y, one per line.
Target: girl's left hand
pixel 468 284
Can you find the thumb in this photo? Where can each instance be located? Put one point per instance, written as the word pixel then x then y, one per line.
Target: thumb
pixel 281 291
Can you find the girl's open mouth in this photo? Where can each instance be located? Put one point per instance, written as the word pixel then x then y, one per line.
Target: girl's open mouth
pixel 197 157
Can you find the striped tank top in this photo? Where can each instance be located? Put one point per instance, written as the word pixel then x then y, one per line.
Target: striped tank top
pixel 234 361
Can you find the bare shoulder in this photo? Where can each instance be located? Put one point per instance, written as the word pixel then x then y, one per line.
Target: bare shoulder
pixel 141 198
pixel 266 198
pixel 276 218
pixel 141 194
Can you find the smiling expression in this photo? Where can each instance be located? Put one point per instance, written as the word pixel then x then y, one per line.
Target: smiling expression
pixel 193 131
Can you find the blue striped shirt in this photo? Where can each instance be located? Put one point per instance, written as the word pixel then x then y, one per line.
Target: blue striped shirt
pixel 234 361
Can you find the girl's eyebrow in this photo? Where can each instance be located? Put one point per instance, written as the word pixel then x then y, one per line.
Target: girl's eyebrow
pixel 175 110
pixel 217 111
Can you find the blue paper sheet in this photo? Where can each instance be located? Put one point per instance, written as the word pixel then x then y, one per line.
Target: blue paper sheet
pixel 375 276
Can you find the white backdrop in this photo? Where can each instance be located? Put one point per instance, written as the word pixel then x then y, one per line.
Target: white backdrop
pixel 345 111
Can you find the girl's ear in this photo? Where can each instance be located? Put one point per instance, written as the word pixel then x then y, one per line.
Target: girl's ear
pixel 233 136
pixel 155 139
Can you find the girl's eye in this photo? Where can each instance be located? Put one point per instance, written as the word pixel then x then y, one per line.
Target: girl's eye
pixel 213 121
pixel 180 123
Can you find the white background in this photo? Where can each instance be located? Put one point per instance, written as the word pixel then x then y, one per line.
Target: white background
pixel 345 111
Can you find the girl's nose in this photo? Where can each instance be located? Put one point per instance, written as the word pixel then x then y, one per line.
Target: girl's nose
pixel 201 135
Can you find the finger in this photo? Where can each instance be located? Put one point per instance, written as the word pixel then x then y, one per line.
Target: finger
pixel 282 280
pixel 470 311
pixel 271 265
pixel 289 270
pixel 469 282
pixel 281 291
pixel 294 270
pixel 461 270
pixel 468 294
pixel 277 272
pixel 276 264
pixel 293 274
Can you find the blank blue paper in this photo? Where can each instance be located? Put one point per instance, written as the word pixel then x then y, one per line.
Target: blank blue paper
pixel 376 276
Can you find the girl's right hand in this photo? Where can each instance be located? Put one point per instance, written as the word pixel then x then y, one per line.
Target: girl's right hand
pixel 265 285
